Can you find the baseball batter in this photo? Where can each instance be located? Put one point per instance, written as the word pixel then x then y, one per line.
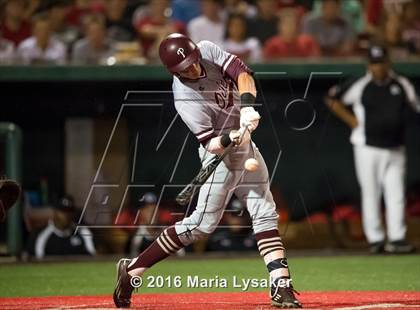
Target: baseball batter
pixel 214 93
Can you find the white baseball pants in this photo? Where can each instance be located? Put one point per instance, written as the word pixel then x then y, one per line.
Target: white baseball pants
pixel 253 188
pixel 381 171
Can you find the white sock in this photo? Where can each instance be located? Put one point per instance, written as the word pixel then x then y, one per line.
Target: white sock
pixel 138 271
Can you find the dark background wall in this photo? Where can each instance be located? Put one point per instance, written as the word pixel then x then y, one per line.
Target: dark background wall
pixel 313 167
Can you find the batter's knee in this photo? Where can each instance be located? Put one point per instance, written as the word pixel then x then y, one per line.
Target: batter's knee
pixel 191 230
pixel 266 219
pixel 198 225
pixel 190 236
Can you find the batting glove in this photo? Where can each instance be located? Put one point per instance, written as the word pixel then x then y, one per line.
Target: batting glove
pixel 250 118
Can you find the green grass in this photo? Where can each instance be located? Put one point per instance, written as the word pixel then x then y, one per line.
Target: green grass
pixel 312 273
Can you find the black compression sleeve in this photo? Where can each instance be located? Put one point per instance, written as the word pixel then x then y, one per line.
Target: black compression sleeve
pixel 225 140
pixel 247 100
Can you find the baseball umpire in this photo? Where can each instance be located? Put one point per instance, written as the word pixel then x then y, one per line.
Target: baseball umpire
pixel 214 93
pixel 379 100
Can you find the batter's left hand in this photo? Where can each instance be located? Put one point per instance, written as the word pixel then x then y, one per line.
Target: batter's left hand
pixel 250 118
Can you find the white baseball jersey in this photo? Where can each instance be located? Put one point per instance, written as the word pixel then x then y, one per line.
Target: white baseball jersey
pixel 210 105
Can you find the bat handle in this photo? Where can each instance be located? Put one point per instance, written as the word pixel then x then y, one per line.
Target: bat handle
pixel 184 197
pixel 242 130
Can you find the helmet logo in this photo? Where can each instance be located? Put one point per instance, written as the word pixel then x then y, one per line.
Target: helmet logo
pixel 180 51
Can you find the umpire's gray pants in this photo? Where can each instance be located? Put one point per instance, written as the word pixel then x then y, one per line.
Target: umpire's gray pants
pixel 230 177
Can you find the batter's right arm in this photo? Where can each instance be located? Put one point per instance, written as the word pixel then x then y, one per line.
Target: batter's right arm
pixel 248 92
pixel 234 68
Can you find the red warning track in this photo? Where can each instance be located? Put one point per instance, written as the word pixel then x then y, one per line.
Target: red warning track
pixel 311 300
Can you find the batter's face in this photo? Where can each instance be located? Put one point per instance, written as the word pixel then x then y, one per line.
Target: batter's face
pixel 193 72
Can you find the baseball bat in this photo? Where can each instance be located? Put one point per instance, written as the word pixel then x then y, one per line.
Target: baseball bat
pixel 187 194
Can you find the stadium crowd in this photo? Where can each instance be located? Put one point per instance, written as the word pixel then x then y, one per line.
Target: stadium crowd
pixel 129 31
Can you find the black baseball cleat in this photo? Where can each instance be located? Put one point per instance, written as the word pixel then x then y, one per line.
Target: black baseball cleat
pixel 377 247
pixel 124 288
pixel 399 247
pixel 282 294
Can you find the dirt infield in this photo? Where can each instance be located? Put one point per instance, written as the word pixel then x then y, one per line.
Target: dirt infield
pixel 311 300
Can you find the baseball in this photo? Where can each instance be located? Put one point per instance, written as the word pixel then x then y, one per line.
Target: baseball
pixel 251 164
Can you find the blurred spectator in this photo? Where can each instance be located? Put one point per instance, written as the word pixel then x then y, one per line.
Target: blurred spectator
pixel 391 36
pixel 6 51
pixel 210 25
pixel 95 47
pixel 351 10
pixel 57 12
pixel 333 33
pixel 185 10
pixel 240 7
pixel 31 8
pixel 127 53
pixel 300 6
pixel 305 5
pixel 118 21
pixel 376 10
pixel 248 49
pixel 42 47
pixel 155 26
pixel 58 237
pixel 14 27
pixel 395 6
pixel 264 25
pixel 411 26
pixel 374 13
pixel 289 42
pixel 80 9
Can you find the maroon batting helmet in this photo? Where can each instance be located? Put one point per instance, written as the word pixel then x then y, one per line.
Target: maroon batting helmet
pixel 177 52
